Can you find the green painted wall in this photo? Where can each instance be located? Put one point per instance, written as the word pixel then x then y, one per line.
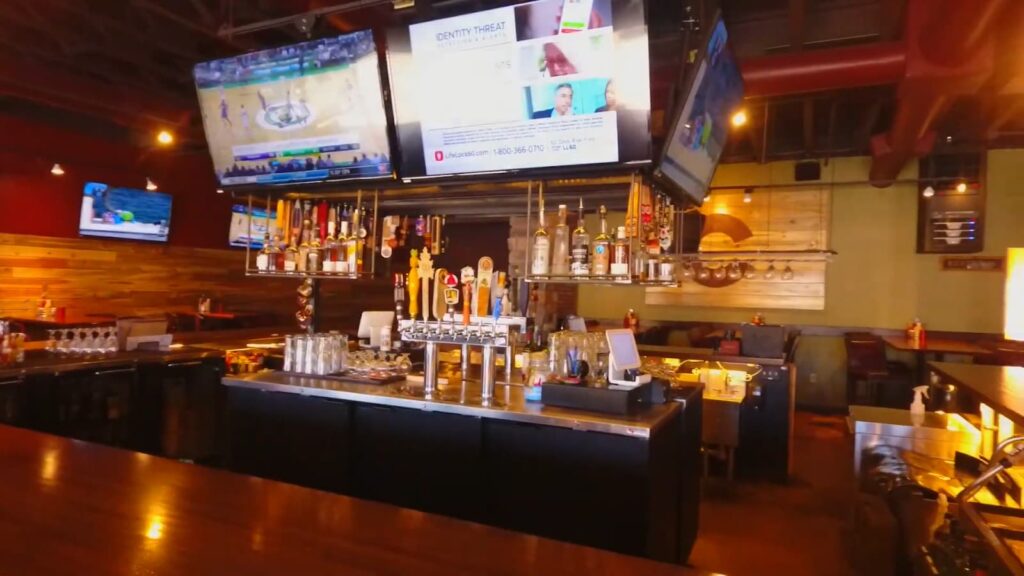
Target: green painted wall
pixel 877 280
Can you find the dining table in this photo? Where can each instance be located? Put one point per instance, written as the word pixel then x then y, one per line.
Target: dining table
pixel 937 348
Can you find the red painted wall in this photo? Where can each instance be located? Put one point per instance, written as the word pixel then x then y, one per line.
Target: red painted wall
pixel 33 201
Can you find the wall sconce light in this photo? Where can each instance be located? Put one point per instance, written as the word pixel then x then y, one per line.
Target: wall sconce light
pixel 928 192
pixel 57 170
pixel 150 185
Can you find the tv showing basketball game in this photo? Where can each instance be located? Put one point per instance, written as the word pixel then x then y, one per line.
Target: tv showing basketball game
pixel 302 113
pixel 544 84
pixel 112 212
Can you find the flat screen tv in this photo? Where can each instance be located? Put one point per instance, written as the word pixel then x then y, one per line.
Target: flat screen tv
pixel 112 212
pixel 307 112
pixel 551 83
pixel 701 127
pixel 240 234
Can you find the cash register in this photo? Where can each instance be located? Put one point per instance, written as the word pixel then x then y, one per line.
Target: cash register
pixel 624 359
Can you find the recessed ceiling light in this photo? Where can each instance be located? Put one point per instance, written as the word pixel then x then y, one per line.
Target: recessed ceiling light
pixel 57 170
pixel 165 138
pixel 928 192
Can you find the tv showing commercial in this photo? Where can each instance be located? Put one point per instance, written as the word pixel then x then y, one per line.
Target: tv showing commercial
pixel 302 113
pixel 240 234
pixel 550 83
pixel 112 212
pixel 698 137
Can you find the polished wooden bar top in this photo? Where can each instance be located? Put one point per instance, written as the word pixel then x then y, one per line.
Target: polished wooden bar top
pixel 41 362
pixel 70 507
pixel 936 346
pixel 1001 387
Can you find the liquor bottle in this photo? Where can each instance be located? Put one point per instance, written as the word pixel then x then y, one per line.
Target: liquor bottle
pixel 291 258
pixel 602 247
pixel 330 243
pixel 351 245
pixel 541 255
pixel 274 261
pixel 358 239
pixel 560 249
pixel 303 259
pixel 341 263
pixel 620 253
pixel 580 247
pixel 315 248
pixel 263 256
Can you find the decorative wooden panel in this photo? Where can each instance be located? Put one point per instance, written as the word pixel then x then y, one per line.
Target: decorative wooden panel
pixel 777 219
pixel 89 276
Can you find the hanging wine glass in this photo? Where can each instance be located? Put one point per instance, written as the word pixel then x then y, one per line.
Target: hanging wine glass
pixel 687 270
pixel 719 273
pixel 703 274
pixel 734 271
pixel 769 272
pixel 787 272
pixel 751 272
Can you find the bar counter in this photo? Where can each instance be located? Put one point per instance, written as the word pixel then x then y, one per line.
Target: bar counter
pixel 79 508
pixel 1001 387
pixel 509 402
pixel 38 362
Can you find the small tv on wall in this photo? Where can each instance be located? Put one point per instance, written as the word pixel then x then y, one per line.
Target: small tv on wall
pixel 126 213
pixel 701 128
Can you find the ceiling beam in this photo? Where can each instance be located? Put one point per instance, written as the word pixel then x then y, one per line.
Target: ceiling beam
pixel 121 104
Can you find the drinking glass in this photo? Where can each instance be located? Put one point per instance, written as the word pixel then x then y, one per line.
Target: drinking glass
pixel 687 271
pixel 51 341
pixel 64 346
pixel 769 272
pixel 289 353
pixel 787 272
pixel 751 272
pixel 704 274
pixel 734 271
pixel 719 273
pixel 112 341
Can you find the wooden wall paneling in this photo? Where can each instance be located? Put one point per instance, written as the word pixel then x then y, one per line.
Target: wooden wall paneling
pixel 89 276
pixel 778 218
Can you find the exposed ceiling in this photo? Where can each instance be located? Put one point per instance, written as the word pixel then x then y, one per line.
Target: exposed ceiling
pixel 128 63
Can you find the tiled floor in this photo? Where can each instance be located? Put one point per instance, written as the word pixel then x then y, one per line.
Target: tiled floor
pixel 763 529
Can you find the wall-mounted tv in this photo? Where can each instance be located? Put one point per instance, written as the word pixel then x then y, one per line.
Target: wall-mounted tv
pixel 550 83
pixel 307 112
pixel 112 212
pixel 240 234
pixel 698 136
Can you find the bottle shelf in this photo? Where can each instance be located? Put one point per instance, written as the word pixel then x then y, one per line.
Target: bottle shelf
pixel 599 280
pixel 315 275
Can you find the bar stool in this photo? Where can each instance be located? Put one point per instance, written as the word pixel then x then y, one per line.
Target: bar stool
pixel 866 363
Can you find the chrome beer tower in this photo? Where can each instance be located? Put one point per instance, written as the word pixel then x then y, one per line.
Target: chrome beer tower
pixel 481 332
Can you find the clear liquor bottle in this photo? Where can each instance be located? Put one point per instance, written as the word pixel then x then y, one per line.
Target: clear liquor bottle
pixel 601 255
pixel 291 258
pixel 273 253
pixel 315 251
pixel 580 247
pixel 620 254
pixel 330 245
pixel 263 256
pixel 540 261
pixel 560 248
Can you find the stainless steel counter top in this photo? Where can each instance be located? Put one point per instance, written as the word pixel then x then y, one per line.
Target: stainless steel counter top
pixel 39 362
pixel 509 402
